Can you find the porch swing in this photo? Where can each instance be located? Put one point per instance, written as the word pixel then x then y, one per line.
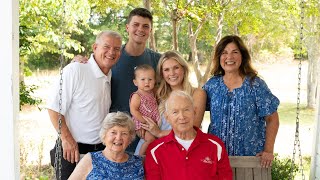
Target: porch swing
pixel 243 167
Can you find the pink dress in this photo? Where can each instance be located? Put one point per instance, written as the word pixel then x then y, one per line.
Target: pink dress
pixel 148 107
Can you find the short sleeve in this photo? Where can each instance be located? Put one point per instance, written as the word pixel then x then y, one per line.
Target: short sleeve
pixel 267 103
pixel 69 79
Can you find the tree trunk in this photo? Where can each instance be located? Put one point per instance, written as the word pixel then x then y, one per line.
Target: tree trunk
pixel 194 51
pixel 174 19
pixel 174 35
pixel 313 72
pixel 194 54
pixel 152 41
pixel 218 38
pixel 313 46
pixel 311 84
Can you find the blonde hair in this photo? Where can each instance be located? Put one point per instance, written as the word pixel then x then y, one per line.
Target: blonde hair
pixel 164 89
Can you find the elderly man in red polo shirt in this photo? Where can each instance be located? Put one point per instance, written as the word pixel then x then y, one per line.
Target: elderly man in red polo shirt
pixel 187 152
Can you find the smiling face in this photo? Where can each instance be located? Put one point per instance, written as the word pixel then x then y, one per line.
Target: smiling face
pixel 117 139
pixel 180 114
pixel 145 79
pixel 173 73
pixel 107 52
pixel 139 29
pixel 231 58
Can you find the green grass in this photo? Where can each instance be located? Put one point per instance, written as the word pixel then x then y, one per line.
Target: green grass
pixel 288 113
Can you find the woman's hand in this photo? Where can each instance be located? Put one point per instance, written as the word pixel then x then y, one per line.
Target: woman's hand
pixel 266 158
pixel 151 126
pixel 80 59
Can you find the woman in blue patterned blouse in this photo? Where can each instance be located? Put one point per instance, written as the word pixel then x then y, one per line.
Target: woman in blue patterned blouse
pixel 243 111
pixel 117 132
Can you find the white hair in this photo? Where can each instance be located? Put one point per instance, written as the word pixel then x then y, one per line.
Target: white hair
pixel 117 119
pixel 178 93
pixel 109 34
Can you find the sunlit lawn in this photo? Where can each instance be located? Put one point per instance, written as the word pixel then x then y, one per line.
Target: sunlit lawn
pixel 288 114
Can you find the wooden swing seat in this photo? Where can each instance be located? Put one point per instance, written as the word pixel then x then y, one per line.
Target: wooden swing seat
pixel 248 168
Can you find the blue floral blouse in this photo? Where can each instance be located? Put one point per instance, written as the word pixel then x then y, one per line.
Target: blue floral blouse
pixel 237 117
pixel 104 169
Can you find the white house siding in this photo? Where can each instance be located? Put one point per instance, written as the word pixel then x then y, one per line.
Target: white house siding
pixel 9 96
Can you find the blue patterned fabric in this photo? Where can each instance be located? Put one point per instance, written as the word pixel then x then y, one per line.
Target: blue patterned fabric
pixel 104 169
pixel 237 117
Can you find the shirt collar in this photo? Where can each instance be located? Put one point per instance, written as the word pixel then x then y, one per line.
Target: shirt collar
pixel 97 71
pixel 170 137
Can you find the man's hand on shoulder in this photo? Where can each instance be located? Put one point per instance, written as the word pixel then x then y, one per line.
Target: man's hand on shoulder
pixel 80 59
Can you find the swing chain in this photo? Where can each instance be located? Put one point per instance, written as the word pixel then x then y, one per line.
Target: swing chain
pixel 296 140
pixel 58 153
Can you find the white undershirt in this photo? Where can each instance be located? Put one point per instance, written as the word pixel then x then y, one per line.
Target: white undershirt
pixel 185 143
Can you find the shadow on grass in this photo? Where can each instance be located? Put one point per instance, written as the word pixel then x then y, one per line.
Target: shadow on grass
pixel 288 114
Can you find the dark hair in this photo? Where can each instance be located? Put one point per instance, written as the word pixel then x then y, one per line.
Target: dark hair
pixel 245 68
pixel 143 67
pixel 140 12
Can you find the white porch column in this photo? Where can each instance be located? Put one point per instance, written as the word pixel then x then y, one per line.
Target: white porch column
pixel 9 95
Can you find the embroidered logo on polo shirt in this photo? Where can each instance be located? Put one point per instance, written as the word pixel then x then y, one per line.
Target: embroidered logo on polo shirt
pixel 207 160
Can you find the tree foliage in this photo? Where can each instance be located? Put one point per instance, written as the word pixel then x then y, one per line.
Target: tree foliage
pixel 264 25
pixel 27 95
pixel 42 25
pixel 46 27
pixel 270 28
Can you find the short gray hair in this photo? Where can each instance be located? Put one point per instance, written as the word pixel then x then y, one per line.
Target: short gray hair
pixel 178 93
pixel 117 119
pixel 109 34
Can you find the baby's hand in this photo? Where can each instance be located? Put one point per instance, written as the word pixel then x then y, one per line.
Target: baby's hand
pixel 141 132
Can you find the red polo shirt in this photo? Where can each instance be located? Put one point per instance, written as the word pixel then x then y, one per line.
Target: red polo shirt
pixel 206 159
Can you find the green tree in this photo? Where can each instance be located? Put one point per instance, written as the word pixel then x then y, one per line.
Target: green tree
pixel 44 27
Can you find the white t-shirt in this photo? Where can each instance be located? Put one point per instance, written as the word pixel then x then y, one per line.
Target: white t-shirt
pixel 86 99
pixel 185 143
